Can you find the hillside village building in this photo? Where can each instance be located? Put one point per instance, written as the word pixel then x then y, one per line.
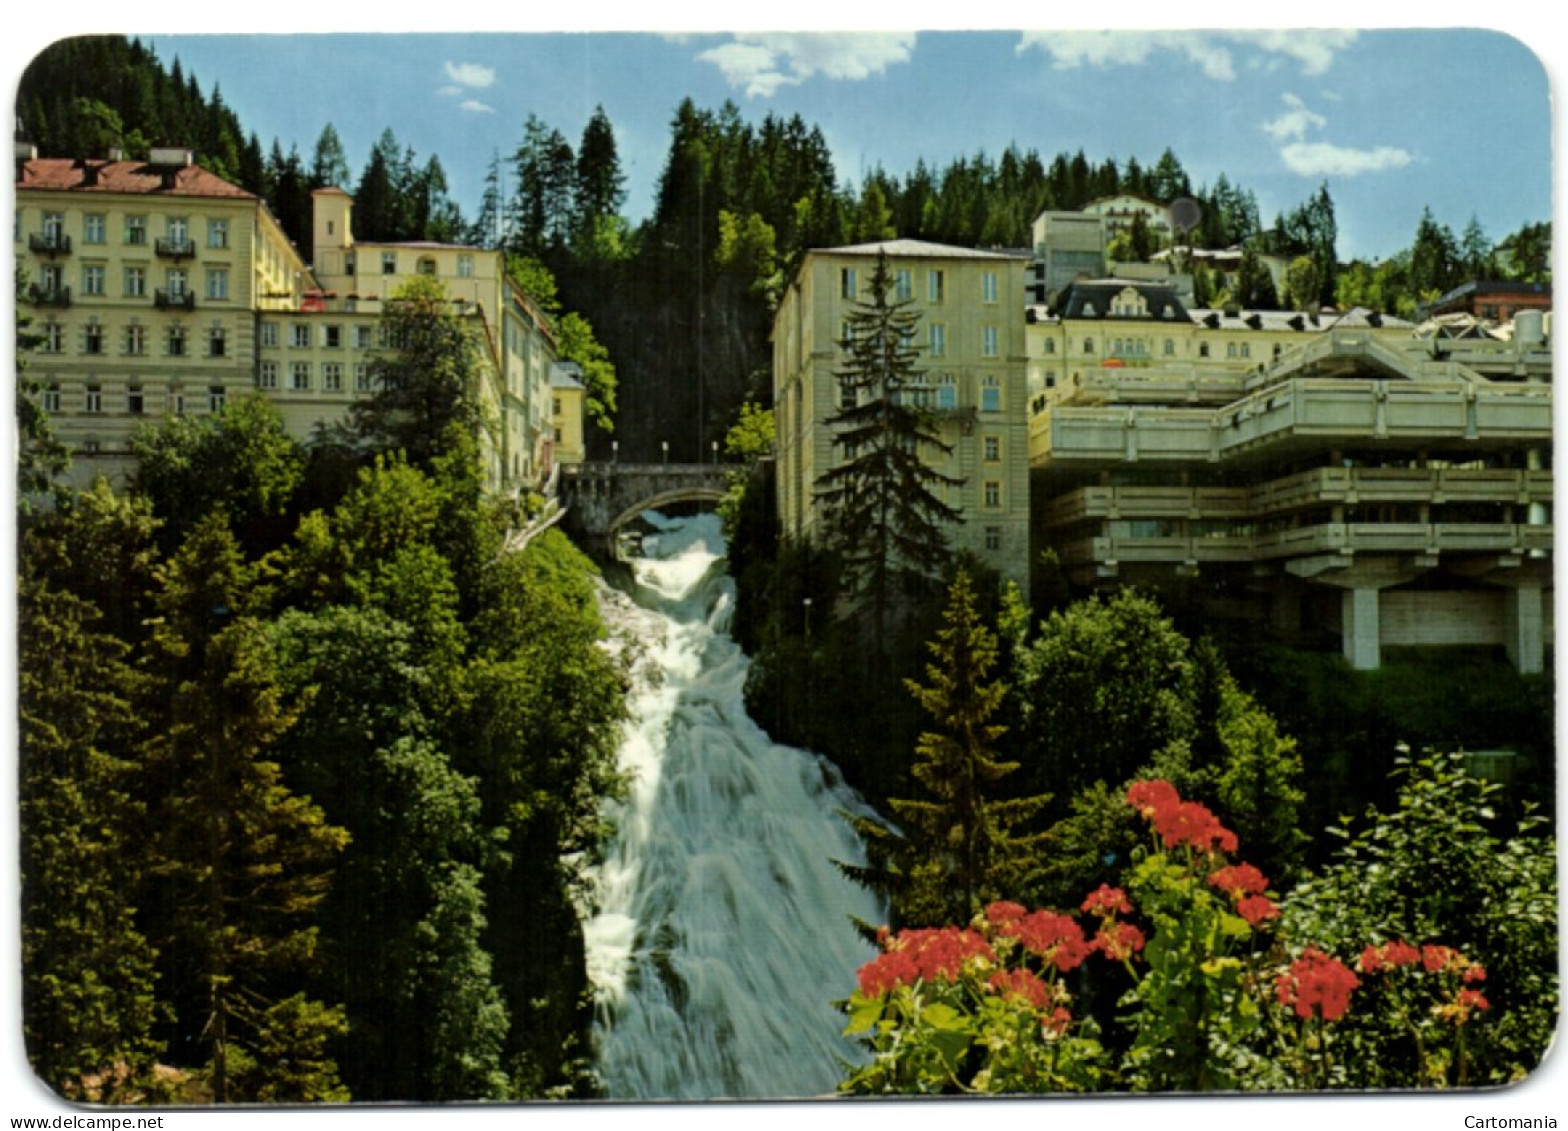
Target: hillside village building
pixel 971 338
pixel 159 288
pixel 1344 478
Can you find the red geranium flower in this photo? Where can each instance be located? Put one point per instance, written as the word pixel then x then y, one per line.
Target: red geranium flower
pixel 1237 880
pixel 1118 941
pixel 1437 958
pixel 1023 984
pixel 1256 908
pixel 1056 938
pixel 1316 981
pixel 1002 912
pixel 1057 1023
pixel 1107 901
pixel 1151 797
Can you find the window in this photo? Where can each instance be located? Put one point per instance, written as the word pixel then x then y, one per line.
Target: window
pixel 946 392
pixel 215 398
pixel 95 228
pixel 1246 350
pixel 267 375
pixel 1230 349
pixel 362 337
pixel 299 375
pixel 848 285
pixel 990 395
pixel 179 231
pixel 903 286
pixel 937 339
pixel 988 287
pixel 1088 345
pixel 300 335
pixel 52 399
pixel 93 401
pixel 176 341
pixel 427 266
pixel 332 337
pixel 1050 345
pixel 54 337
pixel 847 397
pixel 993 538
pixel 269 335
pixel 555 406
pixel 93 278
pixel 992 493
pixel 177 400
pixel 846 334
pixel 217 233
pixel 332 376
pixel 1203 349
pixel 51 278
pixel 135 400
pixel 136 231
pixel 993 449
pixel 1170 348
pixel 361 378
pixel 218 283
pixel 92 341
pixel 54 229
pixel 936 286
pixel 389 263
pixel 177 281
pixel 989 345
pixel 136 340
pixel 217 342
pixel 465 266
pixel 136 282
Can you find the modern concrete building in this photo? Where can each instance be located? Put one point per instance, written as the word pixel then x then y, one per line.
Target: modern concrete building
pixel 159 288
pixel 1330 476
pixel 971 342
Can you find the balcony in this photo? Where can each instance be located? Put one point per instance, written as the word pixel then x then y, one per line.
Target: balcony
pixel 49 243
pixel 44 295
pixel 174 300
pixel 174 249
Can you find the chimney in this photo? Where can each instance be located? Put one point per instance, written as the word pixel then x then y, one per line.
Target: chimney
pixel 25 152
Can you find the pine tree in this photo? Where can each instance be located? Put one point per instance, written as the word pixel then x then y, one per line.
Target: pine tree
pixel 600 187
pixel 241 861
pixel 329 165
pixel 960 846
pixel 884 515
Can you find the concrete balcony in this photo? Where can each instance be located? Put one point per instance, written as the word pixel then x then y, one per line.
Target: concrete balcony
pixel 1301 413
pixel 1414 485
pixel 1148 502
pixel 174 249
pixel 1107 552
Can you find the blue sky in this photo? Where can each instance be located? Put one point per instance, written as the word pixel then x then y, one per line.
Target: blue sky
pixel 1392 120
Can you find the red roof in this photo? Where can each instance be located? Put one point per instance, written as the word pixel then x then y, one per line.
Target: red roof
pixel 129 177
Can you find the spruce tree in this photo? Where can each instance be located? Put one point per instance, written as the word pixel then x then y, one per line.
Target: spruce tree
pixel 885 516
pixel 960 846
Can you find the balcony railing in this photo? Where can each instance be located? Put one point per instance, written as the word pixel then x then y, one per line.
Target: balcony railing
pixel 49 243
pixel 174 300
pixel 49 296
pixel 174 249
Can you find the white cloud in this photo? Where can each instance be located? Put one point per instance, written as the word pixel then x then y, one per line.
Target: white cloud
pixel 474 106
pixel 1320 159
pixel 1211 52
pixel 471 74
pixel 761 62
pixel 1293 124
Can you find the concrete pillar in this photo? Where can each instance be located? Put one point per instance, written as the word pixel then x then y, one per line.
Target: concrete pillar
pixel 1359 628
pixel 1523 628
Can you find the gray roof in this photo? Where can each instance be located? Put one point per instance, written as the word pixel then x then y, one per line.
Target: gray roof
pixel 566 375
pixel 918 249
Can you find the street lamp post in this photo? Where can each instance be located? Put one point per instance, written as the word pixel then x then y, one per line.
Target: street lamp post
pixel 665 445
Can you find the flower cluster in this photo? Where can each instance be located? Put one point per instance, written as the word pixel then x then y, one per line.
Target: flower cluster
pixel 1024 984
pixel 1118 941
pixel 1107 901
pixel 924 955
pixel 1317 981
pixel 1179 822
pixel 1054 937
pixel 1245 886
pixel 1432 959
pixel 1392 955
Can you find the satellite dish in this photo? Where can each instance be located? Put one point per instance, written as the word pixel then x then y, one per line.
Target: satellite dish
pixel 1185 214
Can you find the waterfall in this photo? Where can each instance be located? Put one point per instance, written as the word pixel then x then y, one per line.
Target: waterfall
pixel 722 932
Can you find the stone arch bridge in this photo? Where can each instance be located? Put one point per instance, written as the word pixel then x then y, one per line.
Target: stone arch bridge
pixel 600 498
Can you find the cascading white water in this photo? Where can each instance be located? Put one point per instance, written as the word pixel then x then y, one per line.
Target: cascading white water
pixel 723 932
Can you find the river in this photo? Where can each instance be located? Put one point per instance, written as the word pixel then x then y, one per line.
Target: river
pixel 723 930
